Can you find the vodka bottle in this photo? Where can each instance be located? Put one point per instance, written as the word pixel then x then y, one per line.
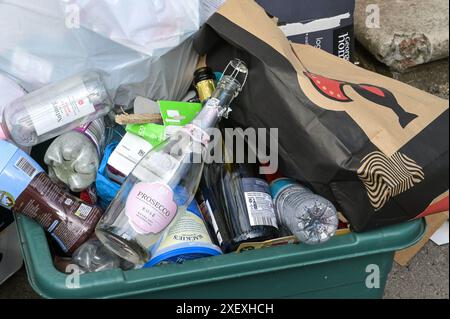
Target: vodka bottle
pixel 166 179
pixel 56 109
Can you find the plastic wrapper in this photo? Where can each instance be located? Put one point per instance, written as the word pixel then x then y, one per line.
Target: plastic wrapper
pixel 146 47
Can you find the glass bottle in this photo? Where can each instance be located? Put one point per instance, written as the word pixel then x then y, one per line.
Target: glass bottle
pixel 247 204
pixel 166 179
pixel 204 82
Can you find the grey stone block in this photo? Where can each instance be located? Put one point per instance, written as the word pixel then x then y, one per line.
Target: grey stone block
pixel 411 32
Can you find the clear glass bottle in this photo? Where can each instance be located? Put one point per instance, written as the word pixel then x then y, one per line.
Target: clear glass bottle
pixel 56 109
pixel 166 179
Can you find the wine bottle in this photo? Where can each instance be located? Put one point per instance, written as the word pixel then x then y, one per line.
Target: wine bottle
pixel 211 207
pixel 247 205
pixel 204 83
pixel 236 199
pixel 166 179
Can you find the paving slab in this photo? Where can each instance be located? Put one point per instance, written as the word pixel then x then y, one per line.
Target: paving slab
pixel 408 32
pixel 426 277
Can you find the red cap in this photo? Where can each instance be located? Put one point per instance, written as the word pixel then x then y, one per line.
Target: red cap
pixel 272 177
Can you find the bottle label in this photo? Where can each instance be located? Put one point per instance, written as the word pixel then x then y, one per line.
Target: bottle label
pixel 150 207
pixel 185 238
pixel 15 178
pixel 198 135
pixel 95 131
pixel 205 89
pixel 277 186
pixel 259 202
pixel 208 212
pixel 190 228
pixel 61 111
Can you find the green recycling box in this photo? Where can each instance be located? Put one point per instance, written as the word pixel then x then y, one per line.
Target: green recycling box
pixel 348 266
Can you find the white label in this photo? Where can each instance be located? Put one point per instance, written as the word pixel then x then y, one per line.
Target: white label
pixel 314 26
pixel 172 130
pixel 214 223
pixel 84 211
pixel 26 167
pixel 260 209
pixel 61 111
pixel 129 153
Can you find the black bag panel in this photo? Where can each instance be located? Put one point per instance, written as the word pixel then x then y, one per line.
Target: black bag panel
pixel 326 149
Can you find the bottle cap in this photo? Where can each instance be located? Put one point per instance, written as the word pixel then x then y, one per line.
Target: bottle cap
pixel 270 178
pixel 203 74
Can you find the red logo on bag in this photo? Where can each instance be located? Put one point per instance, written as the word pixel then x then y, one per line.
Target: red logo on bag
pixel 334 90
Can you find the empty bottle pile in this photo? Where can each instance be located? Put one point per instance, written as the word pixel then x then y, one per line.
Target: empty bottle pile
pixel 140 194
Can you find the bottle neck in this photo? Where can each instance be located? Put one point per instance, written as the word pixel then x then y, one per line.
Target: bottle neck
pixel 217 106
pixel 205 89
pixel 209 116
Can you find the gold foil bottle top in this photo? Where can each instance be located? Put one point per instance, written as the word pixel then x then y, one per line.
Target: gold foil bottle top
pixel 204 83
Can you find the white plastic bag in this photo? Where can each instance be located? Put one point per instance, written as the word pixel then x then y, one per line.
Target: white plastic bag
pixel 9 91
pixel 145 45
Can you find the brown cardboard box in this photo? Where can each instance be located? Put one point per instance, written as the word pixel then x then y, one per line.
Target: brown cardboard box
pixel 434 222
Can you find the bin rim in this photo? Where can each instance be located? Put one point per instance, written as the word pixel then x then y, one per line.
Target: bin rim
pixel 48 282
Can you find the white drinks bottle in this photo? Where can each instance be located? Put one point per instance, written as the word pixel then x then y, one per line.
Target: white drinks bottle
pixel 166 179
pixel 56 109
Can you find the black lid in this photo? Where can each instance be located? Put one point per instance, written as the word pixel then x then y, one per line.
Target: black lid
pixel 202 74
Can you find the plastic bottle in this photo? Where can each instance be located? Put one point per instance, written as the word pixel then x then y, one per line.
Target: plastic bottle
pixel 56 109
pixel 74 157
pixel 310 217
pixel 93 256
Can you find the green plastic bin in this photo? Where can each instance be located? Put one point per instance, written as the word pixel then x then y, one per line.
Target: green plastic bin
pixel 337 269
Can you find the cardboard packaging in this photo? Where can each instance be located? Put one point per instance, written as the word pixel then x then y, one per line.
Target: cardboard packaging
pixel 126 156
pixel 325 24
pixel 434 222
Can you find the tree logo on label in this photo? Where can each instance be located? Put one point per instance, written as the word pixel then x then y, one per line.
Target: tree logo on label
pixel 7 200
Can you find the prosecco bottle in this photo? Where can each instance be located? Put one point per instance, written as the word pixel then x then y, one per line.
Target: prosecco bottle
pixel 166 179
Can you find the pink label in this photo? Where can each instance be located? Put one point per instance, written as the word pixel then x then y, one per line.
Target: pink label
pixel 150 207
